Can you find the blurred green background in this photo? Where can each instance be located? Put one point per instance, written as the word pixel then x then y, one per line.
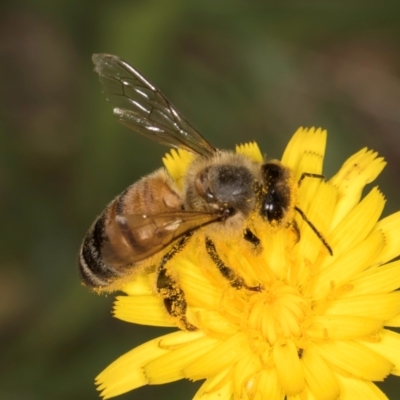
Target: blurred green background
pixel 238 71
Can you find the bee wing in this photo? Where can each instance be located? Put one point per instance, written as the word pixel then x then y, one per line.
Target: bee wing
pixel 144 108
pixel 146 235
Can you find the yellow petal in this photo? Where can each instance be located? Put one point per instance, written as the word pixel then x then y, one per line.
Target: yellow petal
pixel 223 355
pixel 376 306
pixel 342 327
pixel 393 322
pixel 250 150
pixel 243 373
pixel 144 310
pixel 267 385
pixel 390 226
pixel 309 141
pixel 360 169
pixel 355 359
pixel 217 387
pixel 319 376
pixel 382 279
pixel 198 289
pixel 214 324
pixel 289 368
pixel 306 394
pixel 312 158
pixel 176 163
pixel 352 389
pixel 345 266
pixel 170 366
pixel 387 346
pixel 358 223
pixel 126 373
pixel 178 339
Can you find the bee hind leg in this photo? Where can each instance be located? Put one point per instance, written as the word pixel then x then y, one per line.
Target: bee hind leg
pixel 228 273
pixel 168 288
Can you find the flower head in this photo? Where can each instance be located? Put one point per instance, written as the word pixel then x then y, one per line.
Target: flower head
pixel 309 324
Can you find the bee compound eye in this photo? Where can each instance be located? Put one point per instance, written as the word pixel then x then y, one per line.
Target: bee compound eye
pixel 272 207
pixel 272 210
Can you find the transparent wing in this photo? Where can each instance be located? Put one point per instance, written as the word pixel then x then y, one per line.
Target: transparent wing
pixel 149 234
pixel 143 108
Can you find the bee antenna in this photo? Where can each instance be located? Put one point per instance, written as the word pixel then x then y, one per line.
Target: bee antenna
pixel 315 230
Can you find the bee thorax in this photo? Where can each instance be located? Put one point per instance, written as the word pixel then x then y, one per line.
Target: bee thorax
pixel 219 187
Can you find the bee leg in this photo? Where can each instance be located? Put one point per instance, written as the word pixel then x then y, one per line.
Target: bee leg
pixel 234 279
pixel 168 288
pixel 252 238
pixel 308 222
pixel 315 230
pixel 296 230
pixel 309 175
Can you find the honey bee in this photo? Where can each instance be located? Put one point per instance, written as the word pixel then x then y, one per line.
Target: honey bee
pixel 153 219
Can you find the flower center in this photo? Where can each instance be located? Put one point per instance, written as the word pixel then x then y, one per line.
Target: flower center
pixel 275 314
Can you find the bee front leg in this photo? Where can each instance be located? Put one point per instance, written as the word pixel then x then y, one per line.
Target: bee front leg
pixel 173 296
pixel 228 273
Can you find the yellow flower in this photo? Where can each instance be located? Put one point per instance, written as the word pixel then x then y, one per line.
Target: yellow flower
pixel 318 326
